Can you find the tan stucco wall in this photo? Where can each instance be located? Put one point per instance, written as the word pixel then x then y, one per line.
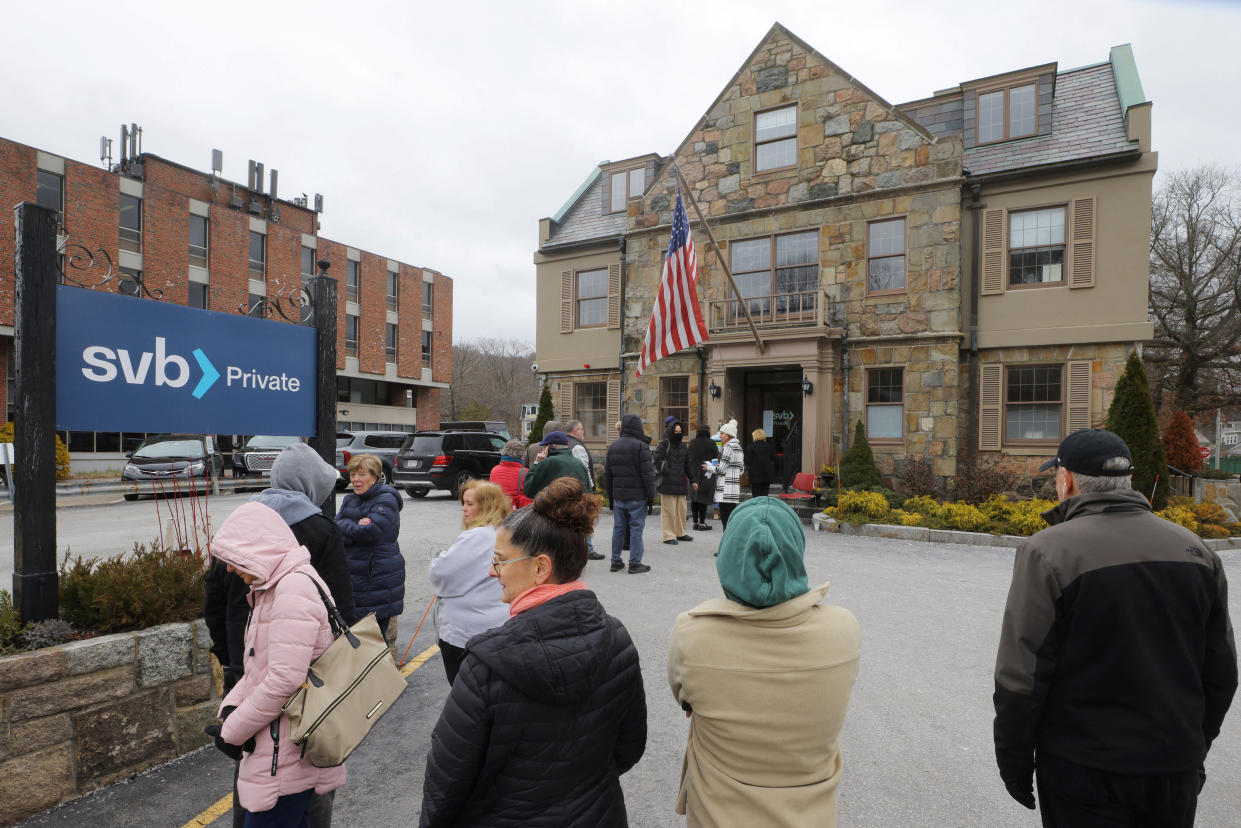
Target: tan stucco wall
pixel 556 351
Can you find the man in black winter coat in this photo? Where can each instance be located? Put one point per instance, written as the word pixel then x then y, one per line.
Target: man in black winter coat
pixel 300 482
pixel 629 474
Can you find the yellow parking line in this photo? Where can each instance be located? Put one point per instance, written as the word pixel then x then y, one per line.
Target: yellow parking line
pixel 225 803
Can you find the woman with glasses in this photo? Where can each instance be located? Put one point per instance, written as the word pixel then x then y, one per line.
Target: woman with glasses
pixel 461 574
pixel 548 710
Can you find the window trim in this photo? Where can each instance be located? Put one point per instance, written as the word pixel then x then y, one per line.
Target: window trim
pixel 771 258
pixel 121 229
pixel 575 391
pixel 665 410
pixel 206 248
pixel 577 299
pixel 428 345
pixel 1006 89
pixel 61 176
pixel 904 218
pixel 391 331
pixel 391 299
pixel 1005 440
pixel 755 143
pixel 352 350
pixel 629 196
pixel 263 249
pixel 428 308
pixel 1008 248
pixel 353 291
pixel 884 441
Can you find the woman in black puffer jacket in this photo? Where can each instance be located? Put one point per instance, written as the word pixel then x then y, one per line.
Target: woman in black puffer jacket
pixel 548 710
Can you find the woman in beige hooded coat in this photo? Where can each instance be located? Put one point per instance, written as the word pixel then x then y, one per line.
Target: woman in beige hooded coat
pixel 765 675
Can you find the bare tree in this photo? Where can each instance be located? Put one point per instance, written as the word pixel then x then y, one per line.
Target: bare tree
pixel 1195 292
pixel 493 376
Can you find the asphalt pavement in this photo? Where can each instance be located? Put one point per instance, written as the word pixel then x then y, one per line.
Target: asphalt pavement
pixel 917 741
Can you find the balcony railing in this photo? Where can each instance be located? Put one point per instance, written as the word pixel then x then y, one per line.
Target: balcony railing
pixel 801 309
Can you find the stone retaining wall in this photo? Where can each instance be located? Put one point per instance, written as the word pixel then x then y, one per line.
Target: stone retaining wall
pixel 83 715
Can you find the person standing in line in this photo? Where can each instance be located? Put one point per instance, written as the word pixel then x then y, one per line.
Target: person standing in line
pixel 548 710
pixel 758 462
pixel 702 450
pixel 534 449
pixel 764 674
pixel 510 475
pixel 287 630
pixel 370 520
pixel 1117 661
pixel 577 436
pixel 629 475
pixel 674 482
pixel 301 481
pixel 469 597
pixel 732 463
pixel 554 460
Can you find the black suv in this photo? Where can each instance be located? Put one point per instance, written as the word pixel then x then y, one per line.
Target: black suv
pixel 446 460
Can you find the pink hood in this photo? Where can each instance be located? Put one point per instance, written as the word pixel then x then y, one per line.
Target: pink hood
pixel 256 540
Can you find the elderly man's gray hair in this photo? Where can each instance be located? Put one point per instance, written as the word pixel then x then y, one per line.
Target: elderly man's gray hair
pixel 1105 483
pixel 572 426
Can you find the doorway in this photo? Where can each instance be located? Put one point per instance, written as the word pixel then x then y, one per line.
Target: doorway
pixel 773 402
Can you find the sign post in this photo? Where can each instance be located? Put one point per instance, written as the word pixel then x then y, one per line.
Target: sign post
pixel 322 290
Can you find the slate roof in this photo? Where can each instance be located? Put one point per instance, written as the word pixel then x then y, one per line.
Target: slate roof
pixel 586 220
pixel 1086 122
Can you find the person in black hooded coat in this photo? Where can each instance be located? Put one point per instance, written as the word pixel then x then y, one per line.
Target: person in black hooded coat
pixel 548 710
pixel 702 449
pixel 674 482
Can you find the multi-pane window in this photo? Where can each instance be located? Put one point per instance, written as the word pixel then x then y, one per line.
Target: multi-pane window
pixel 1036 247
pixel 426 349
pixel 775 138
pixel 258 254
pixel 198 295
pixel 591 293
pixel 1007 113
pixel 1034 402
pixel 50 191
pixel 308 263
pixel 590 405
pixel 198 240
pixel 885 255
pixel 783 267
pixel 390 342
pixel 885 403
pixel 626 184
pixel 351 335
pixel 394 289
pixel 674 400
pixel 130 213
pixel 130 283
pixel 353 280
pixel 427 291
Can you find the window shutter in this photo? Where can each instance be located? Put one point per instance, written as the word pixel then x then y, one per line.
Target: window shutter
pixel 566 402
pixel 566 301
pixel 614 288
pixel 1081 261
pixel 613 413
pixel 1079 395
pixel 993 249
pixel 991 387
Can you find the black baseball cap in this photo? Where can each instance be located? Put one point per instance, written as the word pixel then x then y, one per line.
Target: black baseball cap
pixel 1085 452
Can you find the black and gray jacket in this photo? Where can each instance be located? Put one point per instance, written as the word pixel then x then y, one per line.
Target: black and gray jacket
pixel 1116 650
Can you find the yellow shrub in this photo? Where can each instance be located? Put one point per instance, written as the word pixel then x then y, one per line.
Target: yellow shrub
pixel 1181 515
pixel 963 517
pixel 869 505
pixel 998 507
pixel 904 518
pixel 1210 530
pixel 922 504
pixel 1207 512
pixel 62 451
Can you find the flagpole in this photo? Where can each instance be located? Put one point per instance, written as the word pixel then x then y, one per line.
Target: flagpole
pixel 745 306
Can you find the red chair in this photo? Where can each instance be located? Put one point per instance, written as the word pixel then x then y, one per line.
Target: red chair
pixel 802 489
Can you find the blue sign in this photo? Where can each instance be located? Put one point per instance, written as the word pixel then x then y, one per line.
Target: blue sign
pixel 128 364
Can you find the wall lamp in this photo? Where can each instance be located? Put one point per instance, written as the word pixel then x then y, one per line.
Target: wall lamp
pixel 807 387
pixel 714 390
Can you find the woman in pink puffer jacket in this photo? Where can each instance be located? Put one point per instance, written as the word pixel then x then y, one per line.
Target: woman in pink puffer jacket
pixel 288 629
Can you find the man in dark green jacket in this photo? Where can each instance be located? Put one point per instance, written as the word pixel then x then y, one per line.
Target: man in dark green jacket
pixel 557 462
pixel 1116 662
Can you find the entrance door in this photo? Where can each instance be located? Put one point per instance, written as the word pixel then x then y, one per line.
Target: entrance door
pixel 773 402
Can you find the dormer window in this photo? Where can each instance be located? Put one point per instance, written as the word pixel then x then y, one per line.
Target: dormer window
pixel 1007 113
pixel 626 184
pixel 775 138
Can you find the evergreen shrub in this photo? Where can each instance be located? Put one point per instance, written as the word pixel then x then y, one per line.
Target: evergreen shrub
pixel 545 414
pixel 151 586
pixel 1131 417
pixel 857 467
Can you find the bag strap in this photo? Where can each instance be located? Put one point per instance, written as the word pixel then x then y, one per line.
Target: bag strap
pixel 335 619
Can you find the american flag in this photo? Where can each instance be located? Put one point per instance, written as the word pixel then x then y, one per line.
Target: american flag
pixel 676 318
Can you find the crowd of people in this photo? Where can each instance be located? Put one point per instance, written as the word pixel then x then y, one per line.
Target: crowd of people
pixel 1115 668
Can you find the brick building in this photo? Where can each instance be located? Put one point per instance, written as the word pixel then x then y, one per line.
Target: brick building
pixel 963 273
pixel 180 235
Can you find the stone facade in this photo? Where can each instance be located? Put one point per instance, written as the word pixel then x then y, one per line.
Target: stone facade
pixel 86 714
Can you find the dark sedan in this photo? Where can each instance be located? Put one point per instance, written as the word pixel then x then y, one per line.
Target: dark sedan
pixel 173 463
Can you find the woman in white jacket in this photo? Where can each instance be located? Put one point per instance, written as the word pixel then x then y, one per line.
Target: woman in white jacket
pixel 469 598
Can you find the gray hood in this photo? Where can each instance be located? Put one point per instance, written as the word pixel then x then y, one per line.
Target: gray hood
pixel 300 482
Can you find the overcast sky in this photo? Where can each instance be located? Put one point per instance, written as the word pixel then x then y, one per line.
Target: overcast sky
pixel 441 133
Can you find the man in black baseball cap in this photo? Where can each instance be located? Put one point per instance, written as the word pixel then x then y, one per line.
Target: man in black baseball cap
pixel 1116 662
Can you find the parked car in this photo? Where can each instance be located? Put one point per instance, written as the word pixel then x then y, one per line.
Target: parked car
pixel 168 463
pixel 494 426
pixel 382 444
pixel 446 460
pixel 257 453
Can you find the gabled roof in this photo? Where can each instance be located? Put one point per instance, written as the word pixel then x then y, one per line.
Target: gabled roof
pixel 1087 121
pixel 582 218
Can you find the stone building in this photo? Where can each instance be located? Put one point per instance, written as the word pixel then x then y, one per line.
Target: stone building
pixel 963 273
pixel 197 239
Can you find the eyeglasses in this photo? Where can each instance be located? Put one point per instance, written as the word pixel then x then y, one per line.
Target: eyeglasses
pixel 497 563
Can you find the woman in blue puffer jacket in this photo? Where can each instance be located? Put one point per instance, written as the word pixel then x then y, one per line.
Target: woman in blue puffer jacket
pixel 370 520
